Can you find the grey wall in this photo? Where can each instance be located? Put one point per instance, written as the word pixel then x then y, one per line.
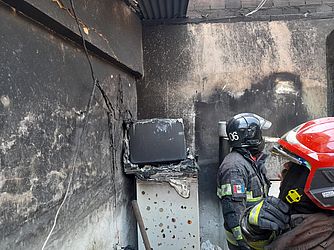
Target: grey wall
pixel 207 72
pixel 238 8
pixel 45 87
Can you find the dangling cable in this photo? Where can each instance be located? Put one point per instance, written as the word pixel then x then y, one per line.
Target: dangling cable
pixel 110 112
pixel 257 8
pixel 82 131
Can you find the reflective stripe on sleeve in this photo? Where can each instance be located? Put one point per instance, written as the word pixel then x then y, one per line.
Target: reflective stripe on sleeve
pixel 237 233
pixel 224 190
pixel 250 197
pixel 254 214
pixel 230 238
pixel 233 237
pixel 259 245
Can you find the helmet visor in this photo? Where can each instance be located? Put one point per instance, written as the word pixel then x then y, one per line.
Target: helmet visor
pixel 264 124
pixel 279 151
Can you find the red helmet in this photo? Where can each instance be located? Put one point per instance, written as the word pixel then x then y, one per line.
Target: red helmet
pixel 311 144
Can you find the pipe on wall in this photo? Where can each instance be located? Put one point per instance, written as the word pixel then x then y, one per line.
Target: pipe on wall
pixel 224 147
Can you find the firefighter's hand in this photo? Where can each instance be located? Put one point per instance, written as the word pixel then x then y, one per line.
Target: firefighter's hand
pixel 269 214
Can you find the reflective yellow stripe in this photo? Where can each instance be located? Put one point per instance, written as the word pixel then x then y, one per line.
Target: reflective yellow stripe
pixel 259 245
pixel 237 233
pixel 256 199
pixel 254 214
pixel 233 237
pixel 250 197
pixel 224 190
pixel 230 238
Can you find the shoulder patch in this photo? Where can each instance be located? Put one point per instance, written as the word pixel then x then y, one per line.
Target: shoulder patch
pixel 238 189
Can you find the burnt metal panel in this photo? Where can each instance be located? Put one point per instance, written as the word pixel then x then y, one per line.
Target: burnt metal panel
pixel 148 7
pixel 163 9
pixel 169 7
pixel 156 9
pixel 176 8
pixel 143 10
pixel 184 7
pixel 157 140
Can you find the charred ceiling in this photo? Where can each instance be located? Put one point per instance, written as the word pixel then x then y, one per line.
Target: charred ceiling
pixel 160 9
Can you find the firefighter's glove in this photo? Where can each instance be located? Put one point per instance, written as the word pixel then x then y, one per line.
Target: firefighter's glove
pixel 269 214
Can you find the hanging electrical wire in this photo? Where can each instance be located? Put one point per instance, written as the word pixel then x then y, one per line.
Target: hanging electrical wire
pixel 111 113
pixel 78 145
pixel 257 8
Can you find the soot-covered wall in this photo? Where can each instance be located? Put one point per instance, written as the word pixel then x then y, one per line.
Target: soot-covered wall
pixel 330 73
pixel 45 88
pixel 208 72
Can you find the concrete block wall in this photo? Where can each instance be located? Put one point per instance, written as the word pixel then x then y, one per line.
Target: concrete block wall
pixel 230 8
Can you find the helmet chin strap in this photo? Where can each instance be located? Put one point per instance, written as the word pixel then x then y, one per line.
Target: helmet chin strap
pixel 255 150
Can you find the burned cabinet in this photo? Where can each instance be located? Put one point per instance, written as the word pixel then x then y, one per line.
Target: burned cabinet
pixel 166 181
pixel 171 220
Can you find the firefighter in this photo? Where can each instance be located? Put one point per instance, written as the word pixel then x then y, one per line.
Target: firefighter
pixel 302 217
pixel 241 178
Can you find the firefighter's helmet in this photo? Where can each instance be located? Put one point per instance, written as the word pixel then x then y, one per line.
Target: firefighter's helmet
pixel 245 130
pixel 311 145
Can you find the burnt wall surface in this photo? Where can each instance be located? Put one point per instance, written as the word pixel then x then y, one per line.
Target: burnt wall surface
pixel 330 73
pixel 109 25
pixel 208 72
pixel 47 137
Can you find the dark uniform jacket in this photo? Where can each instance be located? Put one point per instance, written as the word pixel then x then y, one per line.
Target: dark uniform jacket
pixel 241 183
pixel 307 231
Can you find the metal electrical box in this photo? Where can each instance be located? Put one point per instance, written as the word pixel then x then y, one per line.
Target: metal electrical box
pixel 171 221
